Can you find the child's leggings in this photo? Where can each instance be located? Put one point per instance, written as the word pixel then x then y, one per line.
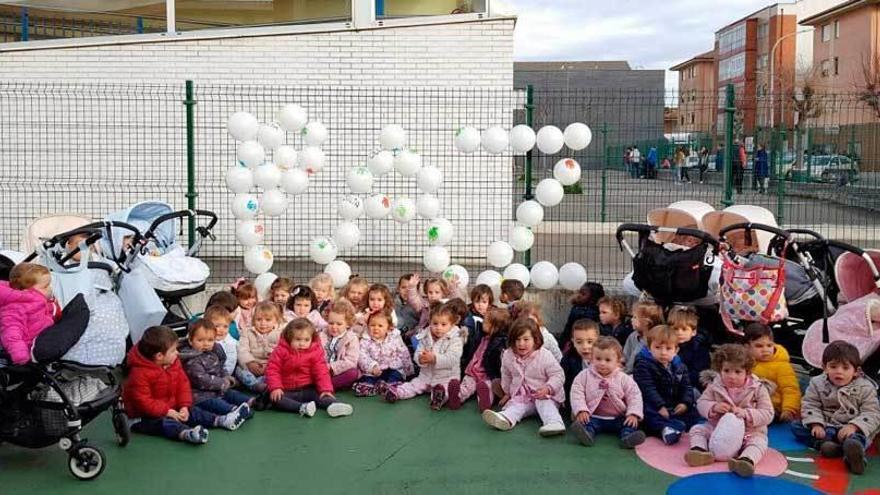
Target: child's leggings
pixel 517 409
pixel 388 376
pixel 294 399
pixel 225 404
pixel 417 386
pixel 754 445
pixel 345 380
pixel 172 428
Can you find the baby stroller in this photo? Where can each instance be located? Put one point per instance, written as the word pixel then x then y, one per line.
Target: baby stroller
pixel 174 272
pixel 50 400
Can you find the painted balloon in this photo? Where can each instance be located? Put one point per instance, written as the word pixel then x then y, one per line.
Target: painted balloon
pixel 242 126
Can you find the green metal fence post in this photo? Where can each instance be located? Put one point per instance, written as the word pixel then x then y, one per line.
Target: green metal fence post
pixel 729 110
pixel 191 193
pixel 604 132
pixel 530 108
pixel 780 184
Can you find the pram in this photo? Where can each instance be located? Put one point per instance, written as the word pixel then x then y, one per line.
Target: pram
pixel 174 273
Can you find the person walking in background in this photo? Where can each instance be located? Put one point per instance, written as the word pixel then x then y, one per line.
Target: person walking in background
pixel 651 164
pixel 762 168
pixel 719 160
pixel 739 163
pixel 685 176
pixel 678 164
pixel 703 162
pixel 626 155
pixel 635 162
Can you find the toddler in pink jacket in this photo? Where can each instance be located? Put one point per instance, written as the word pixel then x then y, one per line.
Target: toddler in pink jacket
pixel 734 390
pixel 532 380
pixel 341 345
pixel 605 399
pixel 384 358
pixel 27 308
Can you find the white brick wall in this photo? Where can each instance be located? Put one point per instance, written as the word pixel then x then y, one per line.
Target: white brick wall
pixel 98 150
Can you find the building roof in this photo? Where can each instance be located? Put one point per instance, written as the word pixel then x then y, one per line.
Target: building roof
pixel 753 14
pixel 703 57
pixel 837 10
pixel 564 65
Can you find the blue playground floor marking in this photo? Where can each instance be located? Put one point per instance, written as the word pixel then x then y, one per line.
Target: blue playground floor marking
pixel 782 439
pixel 731 484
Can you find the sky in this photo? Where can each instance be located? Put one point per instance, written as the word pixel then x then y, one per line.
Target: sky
pixel 649 34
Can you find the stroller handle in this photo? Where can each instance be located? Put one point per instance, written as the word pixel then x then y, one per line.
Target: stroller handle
pixel 859 252
pixel 754 226
pixel 812 233
pixel 204 231
pixel 645 229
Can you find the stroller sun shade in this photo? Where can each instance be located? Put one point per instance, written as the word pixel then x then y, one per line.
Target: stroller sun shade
pixel 142 215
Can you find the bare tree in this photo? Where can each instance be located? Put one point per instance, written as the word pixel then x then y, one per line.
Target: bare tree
pixel 807 103
pixel 869 89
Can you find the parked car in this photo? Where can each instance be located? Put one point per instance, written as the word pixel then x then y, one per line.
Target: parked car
pixel 825 168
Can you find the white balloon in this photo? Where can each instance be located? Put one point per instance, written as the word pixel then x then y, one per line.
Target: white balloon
pixel 250 232
pixel 572 276
pixel 314 134
pixel 521 238
pixel 270 135
pixel 245 206
pixel 492 279
pixel 267 175
pixel 499 254
pixel 377 206
pixel 494 140
pixel 436 258
pixel 311 159
pixel 295 181
pixel 522 139
pixel 467 139
pixel 381 163
pixel 403 210
pixel 428 206
pixel 258 259
pixel 407 163
pixel 350 207
pixel 567 171
pixel 549 192
pixel 456 271
pixel 544 275
pixel 550 139
pixel 346 235
pixel 339 271
pixel 292 117
pixel 239 179
pixel 440 232
pixel 322 250
pixel 577 136
pixel 430 178
pixel 242 126
pixel 359 180
pixel 285 157
pixel 530 213
pixel 274 202
pixel 251 153
pixel 392 137
pixel 263 283
pixel 519 272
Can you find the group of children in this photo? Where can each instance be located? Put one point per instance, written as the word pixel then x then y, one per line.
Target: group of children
pixel 648 374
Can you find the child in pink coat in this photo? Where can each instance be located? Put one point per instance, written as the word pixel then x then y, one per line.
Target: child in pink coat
pixel 532 380
pixel 605 399
pixel 735 390
pixel 341 345
pixel 384 358
pixel 27 308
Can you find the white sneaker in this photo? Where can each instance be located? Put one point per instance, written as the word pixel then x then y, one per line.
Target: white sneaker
pixel 308 409
pixel 551 429
pixel 496 420
pixel 339 409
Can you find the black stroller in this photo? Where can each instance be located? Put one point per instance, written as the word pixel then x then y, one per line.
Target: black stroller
pixel 49 401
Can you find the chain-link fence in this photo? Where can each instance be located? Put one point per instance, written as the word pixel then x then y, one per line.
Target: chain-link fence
pixel 94 149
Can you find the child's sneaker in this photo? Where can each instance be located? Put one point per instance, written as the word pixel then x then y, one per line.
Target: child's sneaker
pixel 390 395
pixel 308 409
pixel 830 449
pixel 551 429
pixel 196 435
pixel 438 397
pixel 582 434
pixel 633 440
pixel 742 467
pixel 362 389
pixel 696 457
pixel 339 409
pixel 229 421
pixel 670 435
pixel 496 420
pixel 454 395
pixel 244 410
pixel 854 456
pixel 484 396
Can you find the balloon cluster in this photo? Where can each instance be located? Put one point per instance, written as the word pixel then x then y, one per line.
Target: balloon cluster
pixel 265 162
pixel 530 213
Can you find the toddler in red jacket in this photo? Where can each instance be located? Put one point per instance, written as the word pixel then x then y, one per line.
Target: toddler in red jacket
pixel 297 376
pixel 157 396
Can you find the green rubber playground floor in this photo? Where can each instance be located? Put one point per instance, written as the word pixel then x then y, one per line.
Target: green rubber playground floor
pixel 382 448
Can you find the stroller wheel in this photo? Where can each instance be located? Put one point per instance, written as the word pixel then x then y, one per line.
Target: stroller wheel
pixel 120 427
pixel 86 462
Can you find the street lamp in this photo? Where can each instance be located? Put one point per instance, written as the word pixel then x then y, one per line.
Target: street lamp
pixel 772 65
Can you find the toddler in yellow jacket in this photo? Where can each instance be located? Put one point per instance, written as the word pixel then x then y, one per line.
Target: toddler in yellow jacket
pixel 773 364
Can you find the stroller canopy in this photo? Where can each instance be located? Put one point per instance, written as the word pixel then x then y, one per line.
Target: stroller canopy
pixel 714 221
pixel 854 276
pixel 48 226
pixel 141 215
pixel 681 214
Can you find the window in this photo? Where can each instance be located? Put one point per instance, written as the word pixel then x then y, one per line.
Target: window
pixel 836 65
pixel 826 33
pixel 732 39
pixel 826 67
pixel 763 61
pixel 732 67
pixel 837 29
pixel 763 30
pixel 692 118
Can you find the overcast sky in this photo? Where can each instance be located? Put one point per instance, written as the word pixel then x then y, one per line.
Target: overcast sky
pixel 649 34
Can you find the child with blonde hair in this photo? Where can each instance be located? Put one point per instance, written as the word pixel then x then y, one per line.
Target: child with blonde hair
pixel 27 308
pixel 256 343
pixel 322 286
pixel 355 291
pixel 246 294
pixel 341 345
pixel 533 310
pixel 384 358
pixel 279 291
pixel 645 316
